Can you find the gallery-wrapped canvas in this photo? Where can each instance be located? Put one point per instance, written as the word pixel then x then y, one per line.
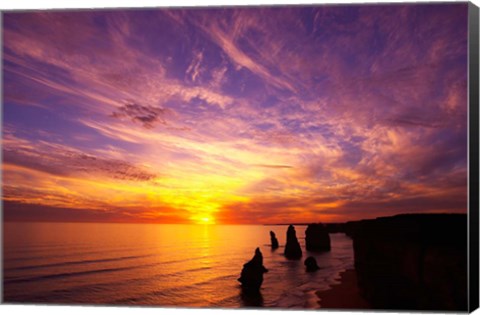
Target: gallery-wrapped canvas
pixel 274 157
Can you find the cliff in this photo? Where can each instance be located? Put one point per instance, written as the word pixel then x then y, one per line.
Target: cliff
pixel 416 261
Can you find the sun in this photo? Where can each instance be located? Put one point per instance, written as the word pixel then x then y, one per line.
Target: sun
pixel 203 218
pixel 206 220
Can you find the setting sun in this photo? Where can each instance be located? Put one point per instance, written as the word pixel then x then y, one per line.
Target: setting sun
pixel 206 220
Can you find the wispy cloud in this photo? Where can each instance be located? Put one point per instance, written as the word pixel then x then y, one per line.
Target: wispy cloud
pixel 65 161
pixel 148 116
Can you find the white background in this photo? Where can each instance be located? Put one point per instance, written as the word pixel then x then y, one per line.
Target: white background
pixel 89 310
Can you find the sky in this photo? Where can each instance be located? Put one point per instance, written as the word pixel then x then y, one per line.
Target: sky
pixel 235 115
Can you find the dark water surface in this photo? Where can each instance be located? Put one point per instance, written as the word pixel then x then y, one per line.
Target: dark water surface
pixel 165 265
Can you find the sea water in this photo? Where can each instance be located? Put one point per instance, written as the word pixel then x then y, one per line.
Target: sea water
pixel 160 265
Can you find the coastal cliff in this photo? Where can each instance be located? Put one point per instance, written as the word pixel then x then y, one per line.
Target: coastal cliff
pixel 317 238
pixel 412 261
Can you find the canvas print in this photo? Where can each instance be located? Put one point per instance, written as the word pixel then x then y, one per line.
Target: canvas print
pixel 278 157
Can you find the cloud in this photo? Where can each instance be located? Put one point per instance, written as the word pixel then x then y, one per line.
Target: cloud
pixel 194 69
pixel 66 161
pixel 240 23
pixel 96 79
pixel 19 211
pixel 147 116
pixel 412 121
pixel 284 209
pixel 274 166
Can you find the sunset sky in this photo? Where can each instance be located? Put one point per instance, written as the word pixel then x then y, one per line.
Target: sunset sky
pixel 246 115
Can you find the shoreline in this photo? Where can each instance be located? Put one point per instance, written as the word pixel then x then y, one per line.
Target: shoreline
pixel 344 295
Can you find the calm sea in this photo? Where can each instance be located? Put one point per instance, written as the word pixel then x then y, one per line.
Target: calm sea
pixel 164 265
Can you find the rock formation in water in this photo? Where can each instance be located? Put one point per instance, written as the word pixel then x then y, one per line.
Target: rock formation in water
pixel 292 247
pixel 311 264
pixel 317 238
pixel 273 240
pixel 413 262
pixel 251 277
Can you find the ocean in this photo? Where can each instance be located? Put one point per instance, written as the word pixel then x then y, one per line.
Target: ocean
pixel 160 265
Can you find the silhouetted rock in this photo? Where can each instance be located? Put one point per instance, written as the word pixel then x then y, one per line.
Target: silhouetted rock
pixel 292 247
pixel 348 228
pixel 413 262
pixel 335 227
pixel 251 299
pixel 251 277
pixel 311 264
pixel 273 240
pixel 317 238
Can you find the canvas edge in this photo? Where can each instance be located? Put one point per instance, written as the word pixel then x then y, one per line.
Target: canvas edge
pixel 230 5
pixel 1 159
pixel 473 213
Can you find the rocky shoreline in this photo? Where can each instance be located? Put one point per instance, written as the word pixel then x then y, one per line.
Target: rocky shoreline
pixel 411 261
pixel 402 262
pixel 345 295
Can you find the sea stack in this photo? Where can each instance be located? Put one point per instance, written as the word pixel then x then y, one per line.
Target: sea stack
pixel 317 238
pixel 292 247
pixel 311 264
pixel 251 277
pixel 273 240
